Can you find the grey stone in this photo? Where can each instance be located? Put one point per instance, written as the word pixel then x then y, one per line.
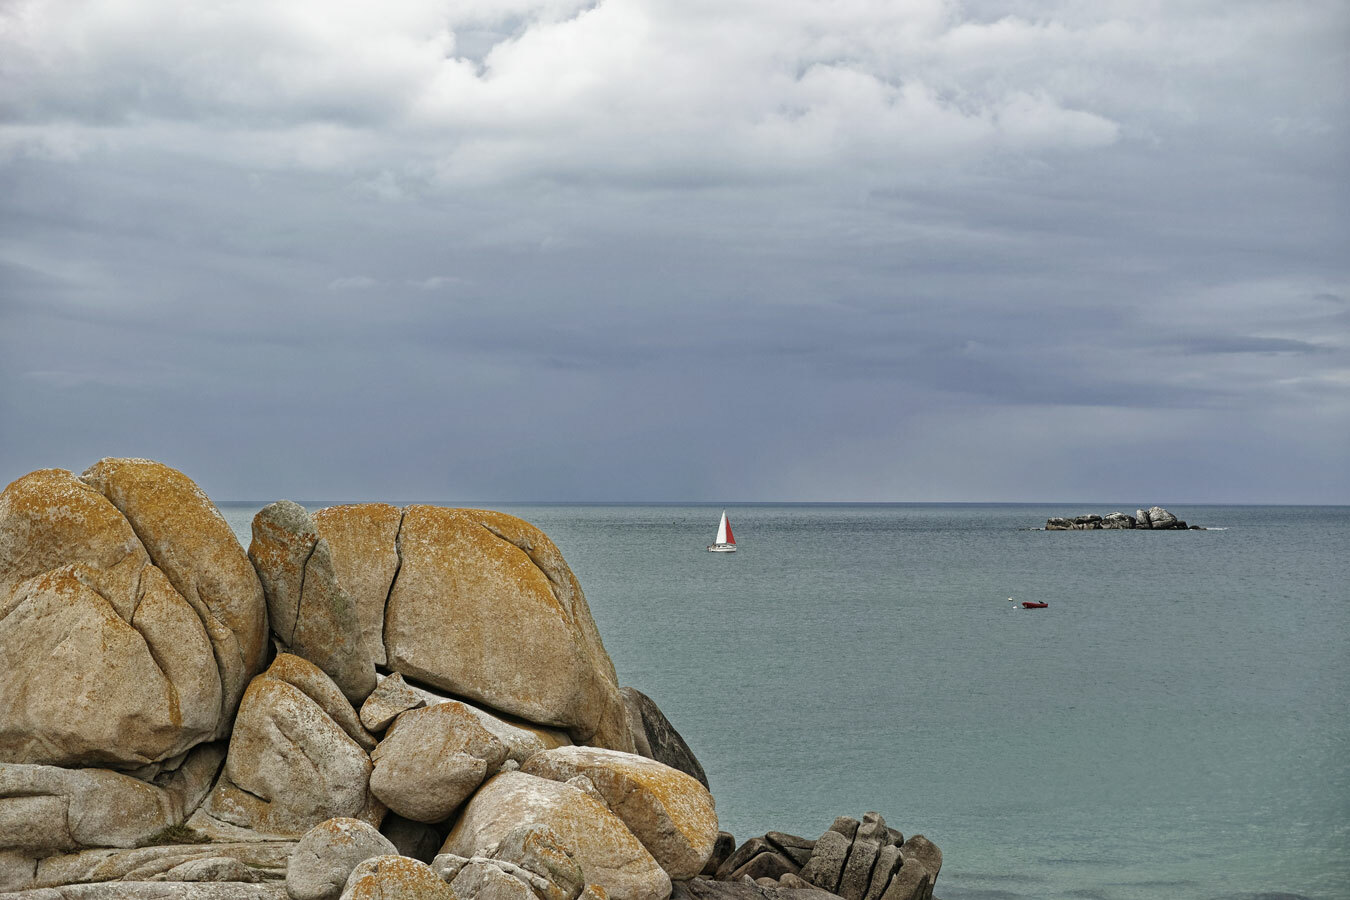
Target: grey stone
pixel 894 836
pixel 797 849
pixel 845 825
pixel 911 882
pixel 767 864
pixel 888 861
pixel 925 851
pixel 1161 518
pixel 742 855
pixel 325 857
pixel 656 738
pixel 142 863
pixel 857 874
pixel 723 847
pixel 826 864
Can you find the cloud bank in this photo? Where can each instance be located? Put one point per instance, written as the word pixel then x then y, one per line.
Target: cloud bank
pixel 623 250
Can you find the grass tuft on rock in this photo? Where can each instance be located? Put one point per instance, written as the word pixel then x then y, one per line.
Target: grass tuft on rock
pixel 175 834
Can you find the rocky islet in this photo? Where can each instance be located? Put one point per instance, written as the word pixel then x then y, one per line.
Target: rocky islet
pixel 369 702
pixel 1155 518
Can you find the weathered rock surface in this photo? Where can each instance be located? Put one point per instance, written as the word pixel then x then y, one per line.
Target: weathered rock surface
pixel 482 880
pixel 925 851
pixel 484 606
pixel 298 756
pixel 103 661
pixel 798 849
pixel 212 868
pixel 826 864
pixel 608 853
pixel 655 738
pixel 395 878
pixel 190 541
pixel 267 858
pixel 670 812
pixel 46 808
pixel 539 850
pixel 432 759
pixel 312 616
pixel 723 847
pixel 392 697
pixel 324 858
pixel 364 540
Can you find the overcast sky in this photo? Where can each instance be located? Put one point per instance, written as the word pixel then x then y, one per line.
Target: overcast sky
pixel 681 250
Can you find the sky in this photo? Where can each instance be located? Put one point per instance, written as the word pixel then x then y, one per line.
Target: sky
pixel 860 250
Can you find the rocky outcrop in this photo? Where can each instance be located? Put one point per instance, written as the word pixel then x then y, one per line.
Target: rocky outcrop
pixel 298 756
pixel 311 614
pixel 854 860
pixel 492 760
pixel 608 853
pixel 1154 518
pixel 669 812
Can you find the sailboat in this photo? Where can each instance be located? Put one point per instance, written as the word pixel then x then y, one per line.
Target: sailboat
pixel 726 541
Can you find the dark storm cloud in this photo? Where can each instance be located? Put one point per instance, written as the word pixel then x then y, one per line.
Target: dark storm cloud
pixel 632 249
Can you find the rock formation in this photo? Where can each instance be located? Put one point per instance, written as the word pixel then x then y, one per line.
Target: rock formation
pixel 372 702
pixel 1154 518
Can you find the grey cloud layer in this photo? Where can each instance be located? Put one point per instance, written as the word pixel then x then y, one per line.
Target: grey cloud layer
pixel 858 250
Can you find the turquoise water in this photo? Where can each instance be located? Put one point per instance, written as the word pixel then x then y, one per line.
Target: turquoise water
pixel 1173 725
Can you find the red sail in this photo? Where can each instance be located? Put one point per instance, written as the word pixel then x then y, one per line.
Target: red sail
pixel 731 538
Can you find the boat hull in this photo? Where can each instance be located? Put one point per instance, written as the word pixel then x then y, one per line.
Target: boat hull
pixel 1029 605
pixel 721 548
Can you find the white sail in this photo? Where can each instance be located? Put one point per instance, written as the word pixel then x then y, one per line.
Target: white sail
pixel 722 529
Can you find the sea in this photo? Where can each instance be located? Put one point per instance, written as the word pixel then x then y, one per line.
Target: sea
pixel 1174 724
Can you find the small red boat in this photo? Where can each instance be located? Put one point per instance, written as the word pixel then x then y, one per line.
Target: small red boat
pixel 1027 604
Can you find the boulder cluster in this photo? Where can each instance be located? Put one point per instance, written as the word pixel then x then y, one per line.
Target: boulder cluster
pixel 1155 517
pixel 371 702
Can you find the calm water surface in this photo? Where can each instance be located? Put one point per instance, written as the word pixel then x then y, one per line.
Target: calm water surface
pixel 1173 725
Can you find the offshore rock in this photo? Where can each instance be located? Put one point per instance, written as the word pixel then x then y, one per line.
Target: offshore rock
pixel 325 857
pixel 190 541
pixel 484 606
pixel 364 540
pixel 298 756
pixel 827 861
pixel 925 851
pixel 723 847
pixel 311 614
pixel 608 853
pixel 798 849
pixel 655 738
pixel 395 878
pixel 46 808
pixel 670 812
pixel 431 760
